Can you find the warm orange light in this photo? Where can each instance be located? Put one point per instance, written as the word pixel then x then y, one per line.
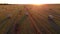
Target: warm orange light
pixel 38 4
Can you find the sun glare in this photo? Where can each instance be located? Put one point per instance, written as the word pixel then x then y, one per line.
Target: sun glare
pixel 37 4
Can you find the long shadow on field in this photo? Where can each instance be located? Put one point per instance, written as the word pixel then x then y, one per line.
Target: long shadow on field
pixel 54 25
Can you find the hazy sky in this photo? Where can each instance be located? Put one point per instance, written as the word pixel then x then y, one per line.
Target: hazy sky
pixel 29 1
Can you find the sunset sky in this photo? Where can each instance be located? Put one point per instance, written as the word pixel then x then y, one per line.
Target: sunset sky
pixel 29 1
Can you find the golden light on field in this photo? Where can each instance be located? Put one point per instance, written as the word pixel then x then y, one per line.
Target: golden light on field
pixel 37 4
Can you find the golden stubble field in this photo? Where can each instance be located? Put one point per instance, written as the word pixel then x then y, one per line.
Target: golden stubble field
pixel 15 9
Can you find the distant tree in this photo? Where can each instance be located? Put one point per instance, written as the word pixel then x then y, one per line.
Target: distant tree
pixel 5 4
